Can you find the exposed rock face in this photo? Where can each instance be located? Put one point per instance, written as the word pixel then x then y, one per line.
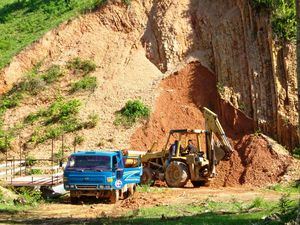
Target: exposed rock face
pixel 235 42
pixel 225 36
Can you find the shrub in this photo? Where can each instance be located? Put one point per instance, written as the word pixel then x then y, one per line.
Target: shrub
pixel 284 20
pixel 296 153
pixel 81 66
pixel 283 17
pixel 86 83
pixel 131 112
pixel 52 74
pixel 60 111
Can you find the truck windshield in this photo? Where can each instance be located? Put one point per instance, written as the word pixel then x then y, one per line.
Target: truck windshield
pixel 89 163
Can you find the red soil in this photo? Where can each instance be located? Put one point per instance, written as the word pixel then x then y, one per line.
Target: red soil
pixel 178 107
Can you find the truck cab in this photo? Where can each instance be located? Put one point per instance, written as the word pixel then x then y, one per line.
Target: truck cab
pixel 103 174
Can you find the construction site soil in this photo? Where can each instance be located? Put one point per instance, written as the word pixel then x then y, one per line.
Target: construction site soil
pixel 183 93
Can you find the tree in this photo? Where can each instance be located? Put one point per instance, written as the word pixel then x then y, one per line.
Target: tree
pixel 298 58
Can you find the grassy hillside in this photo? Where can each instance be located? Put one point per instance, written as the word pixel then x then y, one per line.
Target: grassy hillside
pixel 24 21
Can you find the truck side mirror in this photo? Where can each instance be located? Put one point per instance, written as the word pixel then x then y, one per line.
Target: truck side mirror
pixel 119 174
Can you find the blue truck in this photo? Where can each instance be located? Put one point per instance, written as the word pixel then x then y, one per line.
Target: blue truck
pixel 103 174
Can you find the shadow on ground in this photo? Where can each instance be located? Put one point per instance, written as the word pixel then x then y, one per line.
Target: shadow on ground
pixel 204 218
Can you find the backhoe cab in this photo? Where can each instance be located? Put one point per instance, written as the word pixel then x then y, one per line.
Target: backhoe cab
pixel 188 155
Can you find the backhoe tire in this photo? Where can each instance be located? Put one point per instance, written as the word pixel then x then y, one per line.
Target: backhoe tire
pixel 177 174
pixel 114 196
pixel 147 176
pixel 198 183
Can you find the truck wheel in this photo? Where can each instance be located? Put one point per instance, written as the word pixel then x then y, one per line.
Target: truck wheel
pixel 147 176
pixel 74 200
pixel 198 183
pixel 114 196
pixel 177 174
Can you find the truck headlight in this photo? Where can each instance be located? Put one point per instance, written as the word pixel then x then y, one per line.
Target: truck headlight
pixel 67 186
pixel 72 186
pixel 109 179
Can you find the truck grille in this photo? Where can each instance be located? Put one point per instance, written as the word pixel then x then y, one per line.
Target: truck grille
pixel 85 187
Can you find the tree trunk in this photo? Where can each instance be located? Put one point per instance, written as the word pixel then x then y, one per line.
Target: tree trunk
pixel 298 58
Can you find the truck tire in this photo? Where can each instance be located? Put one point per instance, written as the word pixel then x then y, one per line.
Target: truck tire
pixel 131 189
pixel 177 174
pixel 74 200
pixel 114 196
pixel 147 176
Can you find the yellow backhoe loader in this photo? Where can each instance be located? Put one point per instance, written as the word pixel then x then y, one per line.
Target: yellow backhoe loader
pixel 182 161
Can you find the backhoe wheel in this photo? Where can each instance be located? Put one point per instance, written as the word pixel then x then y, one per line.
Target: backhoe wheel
pixel 147 177
pixel 114 196
pixel 198 183
pixel 177 174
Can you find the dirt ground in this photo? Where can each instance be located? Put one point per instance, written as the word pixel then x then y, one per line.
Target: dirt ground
pixel 45 213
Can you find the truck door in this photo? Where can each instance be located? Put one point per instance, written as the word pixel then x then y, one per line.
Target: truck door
pixel 132 169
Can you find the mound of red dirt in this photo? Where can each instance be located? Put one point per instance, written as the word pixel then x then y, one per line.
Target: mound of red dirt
pixel 178 107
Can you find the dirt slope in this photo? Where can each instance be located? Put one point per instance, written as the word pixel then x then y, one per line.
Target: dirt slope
pixel 135 47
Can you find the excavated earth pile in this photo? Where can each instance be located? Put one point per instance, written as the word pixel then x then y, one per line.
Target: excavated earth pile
pixel 183 93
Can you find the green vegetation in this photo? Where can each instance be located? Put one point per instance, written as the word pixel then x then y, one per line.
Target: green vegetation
pixel 30 161
pixel 22 22
pixel 209 212
pixel 52 74
pixel 81 66
pixel 296 152
pixel 131 113
pixel 220 88
pixel 78 140
pixel 290 188
pixel 87 83
pixel 283 17
pixel 59 118
pixel 34 172
pixel 92 122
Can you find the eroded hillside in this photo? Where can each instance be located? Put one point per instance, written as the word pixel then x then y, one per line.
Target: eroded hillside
pixel 217 54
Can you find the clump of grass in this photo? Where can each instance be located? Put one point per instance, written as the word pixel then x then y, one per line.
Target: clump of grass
pixel 296 152
pixel 131 113
pixel 87 83
pixel 52 74
pixel 34 172
pixel 81 66
pixel 92 122
pixel 30 161
pixel 78 140
pixel 30 196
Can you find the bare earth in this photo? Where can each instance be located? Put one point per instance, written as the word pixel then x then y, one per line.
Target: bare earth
pixel 49 213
